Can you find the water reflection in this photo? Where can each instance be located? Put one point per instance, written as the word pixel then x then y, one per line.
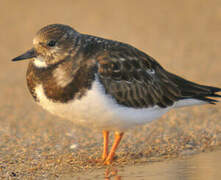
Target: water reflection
pixel 112 174
pixel 204 166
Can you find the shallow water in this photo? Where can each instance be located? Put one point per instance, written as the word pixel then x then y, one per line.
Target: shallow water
pixel 204 166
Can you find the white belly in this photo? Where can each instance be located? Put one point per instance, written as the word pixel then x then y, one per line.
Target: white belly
pixel 98 110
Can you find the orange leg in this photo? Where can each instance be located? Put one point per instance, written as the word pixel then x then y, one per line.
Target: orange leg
pixel 105 148
pixel 118 137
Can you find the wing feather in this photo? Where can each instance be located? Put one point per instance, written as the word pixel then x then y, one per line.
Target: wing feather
pixel 135 79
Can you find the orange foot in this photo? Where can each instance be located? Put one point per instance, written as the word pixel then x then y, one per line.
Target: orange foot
pixel 105 150
pixel 117 139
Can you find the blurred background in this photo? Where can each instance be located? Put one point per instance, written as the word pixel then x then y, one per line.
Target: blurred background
pixel 183 36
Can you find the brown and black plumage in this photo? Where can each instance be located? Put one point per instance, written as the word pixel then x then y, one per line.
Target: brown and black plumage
pixel 104 84
pixel 136 80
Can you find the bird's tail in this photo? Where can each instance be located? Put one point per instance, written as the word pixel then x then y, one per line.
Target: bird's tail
pixel 195 93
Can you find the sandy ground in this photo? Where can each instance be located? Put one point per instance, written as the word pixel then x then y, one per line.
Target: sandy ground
pixel 183 36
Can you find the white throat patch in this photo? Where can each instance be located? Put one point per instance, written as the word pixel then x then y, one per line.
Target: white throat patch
pixel 62 76
pixel 39 62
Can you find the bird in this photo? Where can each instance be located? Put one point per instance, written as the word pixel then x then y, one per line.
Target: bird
pixel 102 84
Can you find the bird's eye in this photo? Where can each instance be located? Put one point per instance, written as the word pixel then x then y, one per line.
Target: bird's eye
pixel 51 43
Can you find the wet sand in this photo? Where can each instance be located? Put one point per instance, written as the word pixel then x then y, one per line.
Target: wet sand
pixel 204 166
pixel 184 37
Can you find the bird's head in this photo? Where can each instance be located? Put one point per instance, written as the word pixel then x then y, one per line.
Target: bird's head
pixel 52 44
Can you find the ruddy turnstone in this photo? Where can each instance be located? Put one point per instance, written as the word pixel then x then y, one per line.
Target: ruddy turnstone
pixel 104 84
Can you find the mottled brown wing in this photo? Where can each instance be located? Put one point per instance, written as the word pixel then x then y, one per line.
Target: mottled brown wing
pixel 135 79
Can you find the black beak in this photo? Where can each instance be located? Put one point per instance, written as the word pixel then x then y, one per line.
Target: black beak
pixel 29 54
